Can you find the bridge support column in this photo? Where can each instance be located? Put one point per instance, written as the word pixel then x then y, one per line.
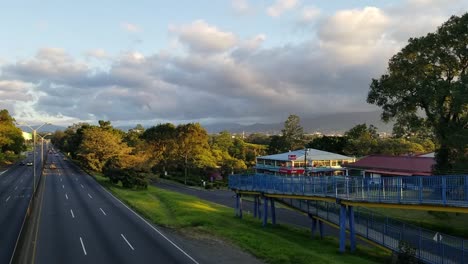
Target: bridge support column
pixel 259 207
pixel 265 211
pixel 320 222
pixel 273 211
pixel 240 206
pixel 314 225
pixel 255 210
pixel 352 233
pixel 342 228
pixel 237 204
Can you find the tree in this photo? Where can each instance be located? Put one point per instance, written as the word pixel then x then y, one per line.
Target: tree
pixel 277 144
pixel 361 140
pixel 258 138
pixel 430 75
pixel 11 137
pixel 98 145
pixel 329 143
pixel 193 147
pixel 162 144
pixel 293 133
pixel 223 141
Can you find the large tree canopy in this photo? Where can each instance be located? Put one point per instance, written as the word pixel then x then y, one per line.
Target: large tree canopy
pixel 427 86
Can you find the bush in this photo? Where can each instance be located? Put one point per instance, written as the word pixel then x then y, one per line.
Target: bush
pixel 406 253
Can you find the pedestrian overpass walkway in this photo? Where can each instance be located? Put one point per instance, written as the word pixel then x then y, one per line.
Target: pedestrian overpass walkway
pixel 333 199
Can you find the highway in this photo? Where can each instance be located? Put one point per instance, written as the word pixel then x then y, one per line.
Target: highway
pixel 15 194
pixel 80 222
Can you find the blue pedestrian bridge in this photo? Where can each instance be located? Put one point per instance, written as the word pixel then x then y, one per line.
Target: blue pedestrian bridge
pixel 332 200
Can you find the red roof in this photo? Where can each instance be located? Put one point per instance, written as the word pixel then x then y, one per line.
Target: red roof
pixel 394 164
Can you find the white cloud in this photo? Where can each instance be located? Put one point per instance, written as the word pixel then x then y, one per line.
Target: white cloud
pixel 203 38
pixel 309 13
pixel 130 27
pixel 281 6
pixel 241 6
pixel 97 54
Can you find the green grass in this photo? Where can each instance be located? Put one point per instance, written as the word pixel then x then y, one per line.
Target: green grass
pixel 449 223
pixel 272 244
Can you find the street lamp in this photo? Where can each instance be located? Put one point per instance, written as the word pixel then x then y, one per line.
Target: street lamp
pixel 34 151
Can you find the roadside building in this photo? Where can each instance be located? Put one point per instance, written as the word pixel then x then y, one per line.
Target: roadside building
pixel 376 166
pixel 313 161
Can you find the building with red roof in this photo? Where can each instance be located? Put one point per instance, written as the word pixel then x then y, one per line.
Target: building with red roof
pixel 383 165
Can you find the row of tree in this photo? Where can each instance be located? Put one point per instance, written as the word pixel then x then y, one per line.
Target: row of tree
pixel 181 150
pixel 11 138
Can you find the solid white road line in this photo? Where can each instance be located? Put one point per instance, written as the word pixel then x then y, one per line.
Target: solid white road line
pixel 73 215
pixel 60 178
pixel 90 196
pixel 63 186
pixel 130 245
pixel 7 199
pixel 152 227
pixel 104 213
pixel 82 245
pixel 82 186
pixel 66 196
pixel 16 188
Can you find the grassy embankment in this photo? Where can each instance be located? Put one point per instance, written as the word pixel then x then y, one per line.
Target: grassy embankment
pixel 449 223
pixel 273 244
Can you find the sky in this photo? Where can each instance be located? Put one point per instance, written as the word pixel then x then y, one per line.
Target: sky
pixel 208 61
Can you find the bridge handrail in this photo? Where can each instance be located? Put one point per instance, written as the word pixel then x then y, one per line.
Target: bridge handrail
pixel 436 190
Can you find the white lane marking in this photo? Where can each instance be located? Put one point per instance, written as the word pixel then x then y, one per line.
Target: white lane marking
pixel 76 179
pixel 16 188
pixel 66 196
pixel 63 186
pixel 82 245
pixel 104 213
pixel 154 228
pixel 82 186
pixel 7 199
pixel 60 178
pixel 130 245
pixel 21 180
pixel 73 215
pixel 90 196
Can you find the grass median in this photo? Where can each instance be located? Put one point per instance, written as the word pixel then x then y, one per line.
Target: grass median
pixel 272 244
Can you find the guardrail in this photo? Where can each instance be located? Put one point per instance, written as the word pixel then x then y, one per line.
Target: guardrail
pixel 430 246
pixel 429 190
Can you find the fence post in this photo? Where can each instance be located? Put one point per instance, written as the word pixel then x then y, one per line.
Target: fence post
pixel 420 189
pixel 466 188
pixel 444 190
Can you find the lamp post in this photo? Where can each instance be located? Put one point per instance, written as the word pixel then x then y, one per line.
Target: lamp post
pixel 34 151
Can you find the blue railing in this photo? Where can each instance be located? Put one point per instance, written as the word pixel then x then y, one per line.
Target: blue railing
pixel 431 246
pixel 430 190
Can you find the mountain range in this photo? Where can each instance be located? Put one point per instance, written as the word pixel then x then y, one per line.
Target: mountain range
pixel 328 124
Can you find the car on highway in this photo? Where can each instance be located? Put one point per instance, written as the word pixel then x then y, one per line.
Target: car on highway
pixel 29 163
pixel 22 163
pixel 52 166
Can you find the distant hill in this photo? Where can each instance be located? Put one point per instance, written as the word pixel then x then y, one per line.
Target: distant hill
pixel 332 123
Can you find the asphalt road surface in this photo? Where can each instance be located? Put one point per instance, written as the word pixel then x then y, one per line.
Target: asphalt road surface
pixel 80 222
pixel 15 193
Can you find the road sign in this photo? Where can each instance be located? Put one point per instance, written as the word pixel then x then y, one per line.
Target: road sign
pixel 292 157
